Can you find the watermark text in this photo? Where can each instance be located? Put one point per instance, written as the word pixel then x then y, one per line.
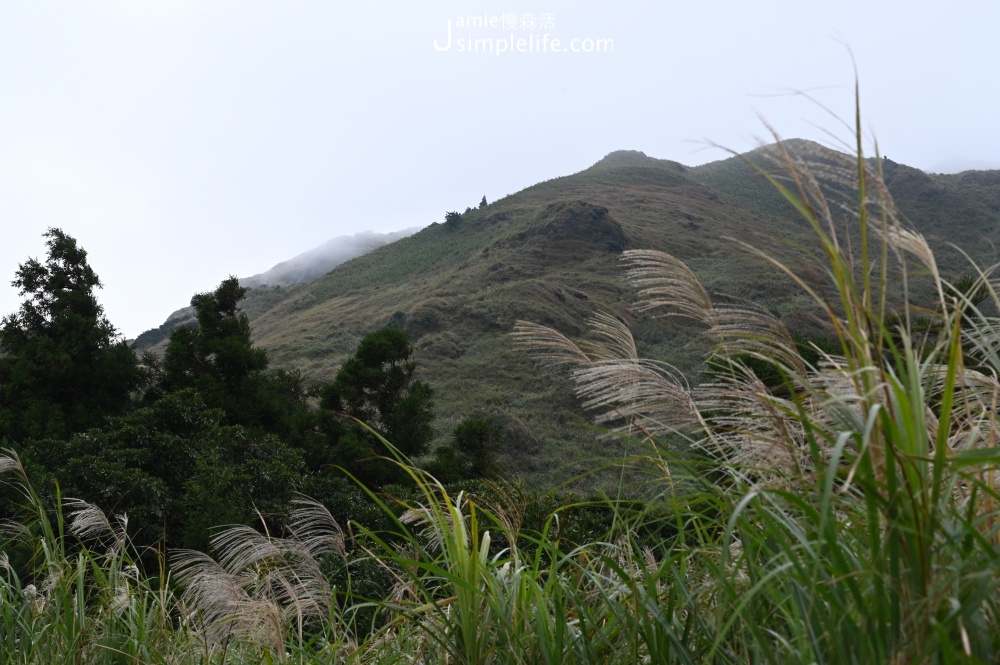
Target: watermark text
pixel 511 33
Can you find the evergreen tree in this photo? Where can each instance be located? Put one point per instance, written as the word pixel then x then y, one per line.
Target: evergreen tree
pixel 376 387
pixel 217 358
pixel 63 367
pixel 453 220
pixel 472 454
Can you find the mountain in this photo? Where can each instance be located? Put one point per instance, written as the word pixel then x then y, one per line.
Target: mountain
pixel 958 165
pixel 305 267
pixel 320 260
pixel 550 254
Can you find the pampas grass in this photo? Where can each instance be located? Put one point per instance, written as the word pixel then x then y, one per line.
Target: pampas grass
pixel 848 515
pixel 860 503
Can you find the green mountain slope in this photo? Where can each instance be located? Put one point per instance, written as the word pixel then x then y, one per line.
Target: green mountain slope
pixel 549 254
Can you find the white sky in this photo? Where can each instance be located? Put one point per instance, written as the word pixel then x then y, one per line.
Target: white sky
pixel 181 141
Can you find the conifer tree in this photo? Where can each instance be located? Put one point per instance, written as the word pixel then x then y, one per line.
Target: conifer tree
pixel 376 387
pixel 218 359
pixel 63 366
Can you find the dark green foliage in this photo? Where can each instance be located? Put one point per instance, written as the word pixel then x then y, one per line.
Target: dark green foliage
pixel 205 448
pixel 483 204
pixel 453 220
pixel 476 443
pixel 240 477
pixel 219 360
pixel 397 320
pixel 579 521
pixel 176 469
pixel 375 386
pixel 218 440
pixel 969 288
pixel 153 336
pixel 217 357
pixel 446 466
pixel 472 453
pixel 62 367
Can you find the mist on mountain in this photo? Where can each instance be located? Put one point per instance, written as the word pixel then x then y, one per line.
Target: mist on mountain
pixel 320 260
pixel 305 267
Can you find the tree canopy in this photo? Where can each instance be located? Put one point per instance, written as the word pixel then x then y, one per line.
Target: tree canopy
pixel 63 366
pixel 217 358
pixel 376 387
pixel 453 219
pixel 209 434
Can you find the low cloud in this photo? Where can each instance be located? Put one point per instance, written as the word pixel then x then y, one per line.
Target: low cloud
pixel 320 260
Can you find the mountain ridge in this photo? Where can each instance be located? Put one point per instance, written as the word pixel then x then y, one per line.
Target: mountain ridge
pixel 304 267
pixel 549 254
pixel 319 260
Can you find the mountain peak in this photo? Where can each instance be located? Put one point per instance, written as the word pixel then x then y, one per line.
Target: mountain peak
pixel 625 157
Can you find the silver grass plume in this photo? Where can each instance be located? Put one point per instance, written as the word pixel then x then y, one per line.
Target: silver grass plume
pixel 314 527
pixel 11 462
pixel 630 392
pixel 751 426
pixel 220 603
pixel 638 395
pixel 666 283
pixel 433 532
pixel 905 241
pixel 260 585
pixel 89 521
pixel 668 287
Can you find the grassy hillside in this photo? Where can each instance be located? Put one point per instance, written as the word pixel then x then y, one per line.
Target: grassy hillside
pixel 848 514
pixel 550 254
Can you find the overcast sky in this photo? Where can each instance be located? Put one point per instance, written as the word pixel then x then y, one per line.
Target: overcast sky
pixel 181 141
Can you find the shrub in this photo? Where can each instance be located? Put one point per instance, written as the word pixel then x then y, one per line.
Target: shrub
pixel 453 220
